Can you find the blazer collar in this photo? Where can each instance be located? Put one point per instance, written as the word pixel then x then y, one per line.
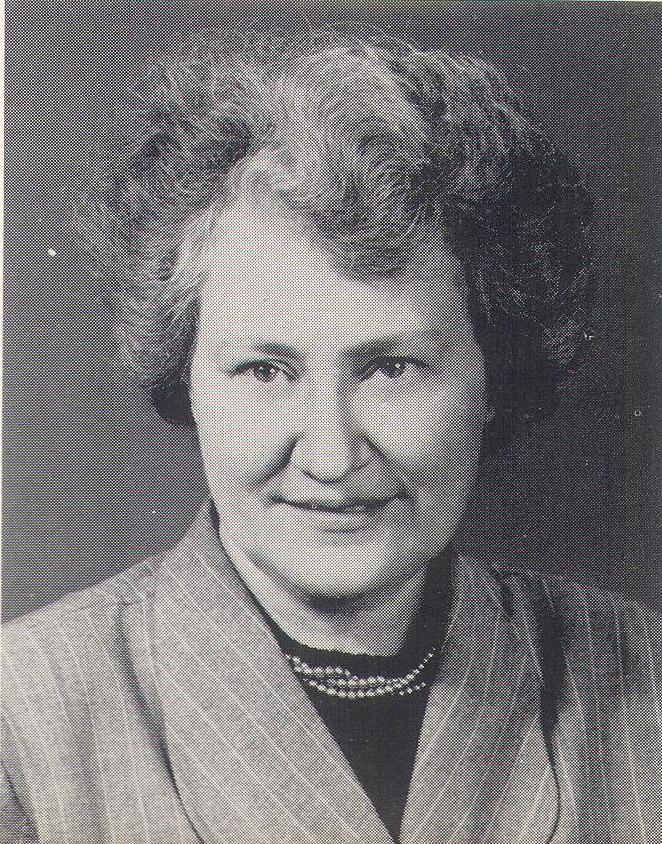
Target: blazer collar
pixel 251 758
pixel 482 770
pixel 253 761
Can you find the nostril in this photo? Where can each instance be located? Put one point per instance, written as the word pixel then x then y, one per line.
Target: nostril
pixel 328 464
pixel 330 446
pixel 325 473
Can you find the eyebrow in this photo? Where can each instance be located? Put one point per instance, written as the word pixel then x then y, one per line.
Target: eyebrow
pixel 376 346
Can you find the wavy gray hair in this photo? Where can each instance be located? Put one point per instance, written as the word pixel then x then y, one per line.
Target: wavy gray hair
pixel 376 145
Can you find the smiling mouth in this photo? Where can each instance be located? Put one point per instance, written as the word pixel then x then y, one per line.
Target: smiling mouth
pixel 357 508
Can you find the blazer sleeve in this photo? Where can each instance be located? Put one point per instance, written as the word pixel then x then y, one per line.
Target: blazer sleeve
pixel 15 826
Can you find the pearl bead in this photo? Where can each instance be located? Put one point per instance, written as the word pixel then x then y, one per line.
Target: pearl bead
pixel 335 681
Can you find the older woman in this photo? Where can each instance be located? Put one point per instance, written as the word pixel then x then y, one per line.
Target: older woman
pixel 353 268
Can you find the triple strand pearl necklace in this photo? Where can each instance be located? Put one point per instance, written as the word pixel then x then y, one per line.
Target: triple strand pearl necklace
pixel 336 681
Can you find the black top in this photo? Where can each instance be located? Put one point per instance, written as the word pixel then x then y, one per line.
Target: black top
pixel 379 736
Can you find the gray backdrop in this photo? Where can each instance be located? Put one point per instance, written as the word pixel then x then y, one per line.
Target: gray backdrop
pixel 93 480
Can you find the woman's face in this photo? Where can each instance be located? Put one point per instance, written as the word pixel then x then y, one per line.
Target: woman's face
pixel 340 420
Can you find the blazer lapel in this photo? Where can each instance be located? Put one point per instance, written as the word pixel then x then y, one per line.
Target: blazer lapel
pixel 482 773
pixel 251 759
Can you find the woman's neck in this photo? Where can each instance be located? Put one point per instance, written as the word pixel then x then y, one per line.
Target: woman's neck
pixel 376 624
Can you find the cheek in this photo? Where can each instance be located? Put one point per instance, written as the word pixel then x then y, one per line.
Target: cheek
pixel 241 445
pixel 433 435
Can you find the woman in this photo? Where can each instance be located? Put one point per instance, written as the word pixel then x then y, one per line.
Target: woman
pixel 354 269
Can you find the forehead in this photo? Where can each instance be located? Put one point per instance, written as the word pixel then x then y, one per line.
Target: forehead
pixel 263 275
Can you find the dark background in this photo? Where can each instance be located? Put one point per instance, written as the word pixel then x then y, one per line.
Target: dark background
pixel 93 480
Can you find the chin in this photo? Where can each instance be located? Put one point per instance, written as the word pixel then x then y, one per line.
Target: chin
pixel 342 577
pixel 338 592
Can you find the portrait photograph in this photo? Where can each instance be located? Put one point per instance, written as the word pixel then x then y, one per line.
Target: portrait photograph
pixel 332 402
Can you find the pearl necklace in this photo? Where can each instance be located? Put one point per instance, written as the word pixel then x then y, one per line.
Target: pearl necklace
pixel 340 682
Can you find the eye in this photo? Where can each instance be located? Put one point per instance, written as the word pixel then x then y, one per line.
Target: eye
pixel 263 371
pixel 394 367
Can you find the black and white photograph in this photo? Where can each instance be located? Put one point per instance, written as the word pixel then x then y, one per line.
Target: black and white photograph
pixel 332 404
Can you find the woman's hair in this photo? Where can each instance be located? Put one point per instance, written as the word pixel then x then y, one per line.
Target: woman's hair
pixel 375 145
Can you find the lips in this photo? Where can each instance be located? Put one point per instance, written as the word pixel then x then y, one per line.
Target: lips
pixel 328 507
pixel 357 505
pixel 335 517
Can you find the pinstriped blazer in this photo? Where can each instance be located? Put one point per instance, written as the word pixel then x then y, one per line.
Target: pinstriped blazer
pixel 158 709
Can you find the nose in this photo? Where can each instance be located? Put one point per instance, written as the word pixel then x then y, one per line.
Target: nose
pixel 330 444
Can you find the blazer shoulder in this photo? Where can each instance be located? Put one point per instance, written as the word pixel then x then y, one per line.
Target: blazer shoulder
pixel 618 633
pixel 109 598
pixel 76 664
pixel 92 638
pixel 568 596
